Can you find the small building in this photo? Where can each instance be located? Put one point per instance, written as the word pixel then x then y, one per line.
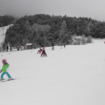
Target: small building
pixel 29 46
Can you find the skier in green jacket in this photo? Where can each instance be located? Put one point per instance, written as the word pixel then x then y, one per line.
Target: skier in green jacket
pixel 4 70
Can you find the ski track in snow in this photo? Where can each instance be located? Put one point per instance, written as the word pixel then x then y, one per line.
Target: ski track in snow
pixel 71 76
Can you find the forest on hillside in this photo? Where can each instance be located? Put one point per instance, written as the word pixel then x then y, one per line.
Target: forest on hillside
pixel 6 20
pixel 46 30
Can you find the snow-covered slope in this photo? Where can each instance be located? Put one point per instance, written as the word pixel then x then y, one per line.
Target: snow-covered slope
pixel 3 32
pixel 71 76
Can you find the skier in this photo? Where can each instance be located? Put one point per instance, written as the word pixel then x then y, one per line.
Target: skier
pixel 64 45
pixel 7 48
pixel 43 52
pixel 52 45
pixel 18 48
pixel 4 70
pixel 39 51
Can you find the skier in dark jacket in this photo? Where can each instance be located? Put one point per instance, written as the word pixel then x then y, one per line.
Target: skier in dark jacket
pixel 52 45
pixel 43 52
pixel 7 48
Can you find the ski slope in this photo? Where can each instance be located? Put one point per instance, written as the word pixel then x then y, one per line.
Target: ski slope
pixel 3 31
pixel 71 76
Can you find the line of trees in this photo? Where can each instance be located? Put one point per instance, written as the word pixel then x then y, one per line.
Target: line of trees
pixel 6 20
pixel 47 30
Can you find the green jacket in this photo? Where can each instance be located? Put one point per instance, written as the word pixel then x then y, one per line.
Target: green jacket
pixel 4 68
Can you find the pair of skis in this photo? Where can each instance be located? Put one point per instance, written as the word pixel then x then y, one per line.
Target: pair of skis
pixel 5 80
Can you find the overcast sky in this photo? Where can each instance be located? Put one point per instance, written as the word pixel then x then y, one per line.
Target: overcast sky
pixel 79 8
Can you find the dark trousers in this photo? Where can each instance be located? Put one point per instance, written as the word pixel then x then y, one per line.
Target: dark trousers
pixel 43 54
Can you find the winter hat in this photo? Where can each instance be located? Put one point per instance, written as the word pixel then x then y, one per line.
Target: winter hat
pixel 4 61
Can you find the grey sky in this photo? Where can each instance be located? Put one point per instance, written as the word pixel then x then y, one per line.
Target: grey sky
pixel 84 8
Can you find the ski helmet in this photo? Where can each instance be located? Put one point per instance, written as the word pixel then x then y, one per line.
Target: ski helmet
pixel 4 60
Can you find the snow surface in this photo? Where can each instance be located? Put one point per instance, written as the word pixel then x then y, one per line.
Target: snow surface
pixel 3 31
pixel 71 76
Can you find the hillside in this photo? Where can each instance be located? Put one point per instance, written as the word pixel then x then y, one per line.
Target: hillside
pixel 71 76
pixel 41 29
